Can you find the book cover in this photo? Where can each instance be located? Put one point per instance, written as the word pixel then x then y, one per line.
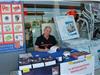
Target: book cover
pixel 66 27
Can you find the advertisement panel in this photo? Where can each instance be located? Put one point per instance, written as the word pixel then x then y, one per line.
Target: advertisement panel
pixel 66 27
pixel 78 67
pixel 11 27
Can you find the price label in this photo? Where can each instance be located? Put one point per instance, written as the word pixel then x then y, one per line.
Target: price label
pixel 25 70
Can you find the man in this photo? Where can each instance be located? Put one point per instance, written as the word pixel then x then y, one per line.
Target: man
pixel 45 41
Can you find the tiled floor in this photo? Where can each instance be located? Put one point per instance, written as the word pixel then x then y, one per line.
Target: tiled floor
pixel 8 62
pixel 97 72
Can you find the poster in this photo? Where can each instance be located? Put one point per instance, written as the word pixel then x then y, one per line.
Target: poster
pixel 11 27
pixel 6 8
pixel 18 28
pixel 16 8
pixel 6 18
pixel 66 27
pixel 7 28
pixel 8 38
pixel 17 18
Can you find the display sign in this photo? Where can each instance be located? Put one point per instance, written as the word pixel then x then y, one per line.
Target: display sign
pixel 66 27
pixel 11 27
pixel 78 67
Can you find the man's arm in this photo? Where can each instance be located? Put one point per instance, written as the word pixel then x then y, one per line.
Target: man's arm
pixel 39 49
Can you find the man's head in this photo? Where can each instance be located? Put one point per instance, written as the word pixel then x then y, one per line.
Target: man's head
pixel 47 30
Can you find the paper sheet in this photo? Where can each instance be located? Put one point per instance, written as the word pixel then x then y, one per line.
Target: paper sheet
pixel 53 49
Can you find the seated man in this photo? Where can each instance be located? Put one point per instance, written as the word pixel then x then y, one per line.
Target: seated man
pixel 45 41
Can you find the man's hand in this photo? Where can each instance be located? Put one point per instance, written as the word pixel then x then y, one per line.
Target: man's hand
pixel 46 49
pixel 42 50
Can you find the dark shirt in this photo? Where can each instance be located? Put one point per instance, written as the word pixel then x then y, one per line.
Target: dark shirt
pixel 42 42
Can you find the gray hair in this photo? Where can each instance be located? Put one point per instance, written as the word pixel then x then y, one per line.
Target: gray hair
pixel 47 27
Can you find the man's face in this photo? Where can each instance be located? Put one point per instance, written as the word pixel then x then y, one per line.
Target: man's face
pixel 47 31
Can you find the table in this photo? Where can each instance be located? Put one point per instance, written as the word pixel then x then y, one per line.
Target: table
pixel 70 66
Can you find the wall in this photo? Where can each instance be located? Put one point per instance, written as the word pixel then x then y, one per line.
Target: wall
pixel 8 62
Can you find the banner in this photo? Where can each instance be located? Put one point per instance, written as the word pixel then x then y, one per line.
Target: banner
pixel 11 27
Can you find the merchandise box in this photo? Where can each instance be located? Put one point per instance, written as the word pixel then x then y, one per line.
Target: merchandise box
pixel 25 59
